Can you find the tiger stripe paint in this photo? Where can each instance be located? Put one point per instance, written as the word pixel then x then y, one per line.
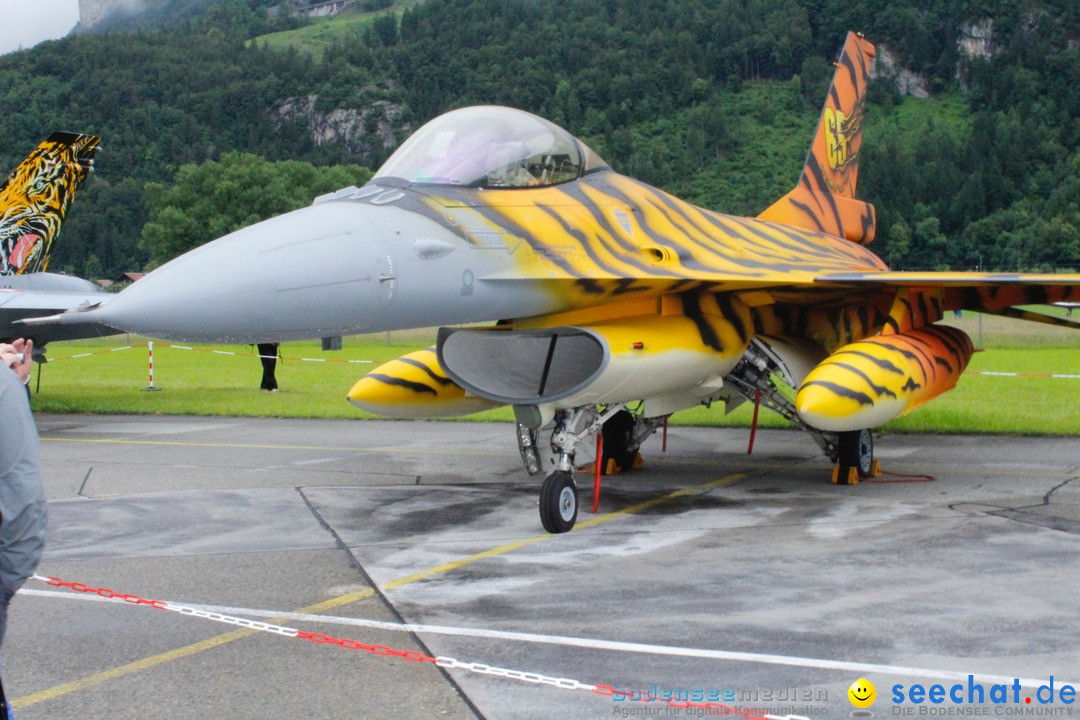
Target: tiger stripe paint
pixel 1009 293
pixel 414 386
pixel 921 299
pixel 914 309
pixel 565 239
pixel 35 198
pixel 870 382
pixel 824 198
pixel 830 327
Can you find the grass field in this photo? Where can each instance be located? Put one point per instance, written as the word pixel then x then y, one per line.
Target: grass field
pixel 106 376
pixel 322 32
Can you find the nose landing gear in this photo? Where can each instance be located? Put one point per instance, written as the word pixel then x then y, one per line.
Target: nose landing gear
pixel 623 434
pixel 558 502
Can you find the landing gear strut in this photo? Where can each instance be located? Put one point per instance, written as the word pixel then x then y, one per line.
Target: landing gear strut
pixel 623 435
pixel 558 495
pixel 852 451
pixel 755 372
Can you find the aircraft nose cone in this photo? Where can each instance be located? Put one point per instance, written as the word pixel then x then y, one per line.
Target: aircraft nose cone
pixel 317 272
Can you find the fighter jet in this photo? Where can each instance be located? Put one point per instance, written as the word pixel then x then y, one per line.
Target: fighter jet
pixel 33 203
pixel 590 301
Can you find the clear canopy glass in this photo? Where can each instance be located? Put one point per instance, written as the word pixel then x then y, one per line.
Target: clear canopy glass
pixel 490 147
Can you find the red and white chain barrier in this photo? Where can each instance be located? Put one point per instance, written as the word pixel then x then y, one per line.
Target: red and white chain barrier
pixel 79 356
pixel 210 351
pixel 447 663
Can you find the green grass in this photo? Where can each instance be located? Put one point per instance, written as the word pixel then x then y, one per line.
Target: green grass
pixel 322 32
pixel 910 116
pixel 313 383
pixel 210 380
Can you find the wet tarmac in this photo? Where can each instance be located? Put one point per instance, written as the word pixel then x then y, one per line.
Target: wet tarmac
pixel 707 574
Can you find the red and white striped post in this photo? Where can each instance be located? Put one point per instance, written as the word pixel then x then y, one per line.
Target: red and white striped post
pixel 150 364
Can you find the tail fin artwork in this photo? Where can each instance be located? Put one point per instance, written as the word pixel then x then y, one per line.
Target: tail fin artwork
pixel 35 198
pixel 824 199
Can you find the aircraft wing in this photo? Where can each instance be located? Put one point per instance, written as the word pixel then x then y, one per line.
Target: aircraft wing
pixel 804 285
pixel 949 279
pixel 995 293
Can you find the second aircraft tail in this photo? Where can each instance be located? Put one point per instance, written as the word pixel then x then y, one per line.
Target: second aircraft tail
pixel 35 198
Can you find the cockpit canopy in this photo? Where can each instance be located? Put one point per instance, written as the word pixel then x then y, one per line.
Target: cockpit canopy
pixel 491 147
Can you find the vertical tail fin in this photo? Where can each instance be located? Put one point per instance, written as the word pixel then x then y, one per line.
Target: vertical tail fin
pixel 35 198
pixel 824 199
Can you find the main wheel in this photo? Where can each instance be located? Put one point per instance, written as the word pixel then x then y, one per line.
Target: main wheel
pixel 558 502
pixel 857 451
pixel 618 435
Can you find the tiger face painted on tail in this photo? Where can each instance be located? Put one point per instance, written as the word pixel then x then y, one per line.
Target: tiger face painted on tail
pixel 36 197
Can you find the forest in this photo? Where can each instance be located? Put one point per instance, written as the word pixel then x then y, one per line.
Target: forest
pixel 207 128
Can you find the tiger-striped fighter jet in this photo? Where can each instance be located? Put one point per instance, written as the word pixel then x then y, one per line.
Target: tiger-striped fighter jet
pixel 601 293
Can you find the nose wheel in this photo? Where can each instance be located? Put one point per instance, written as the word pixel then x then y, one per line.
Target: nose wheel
pixel 558 502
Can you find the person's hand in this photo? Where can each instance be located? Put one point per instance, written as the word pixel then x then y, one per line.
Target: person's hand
pixel 9 355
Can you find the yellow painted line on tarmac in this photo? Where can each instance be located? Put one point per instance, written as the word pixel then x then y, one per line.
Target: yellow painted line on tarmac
pixel 129 669
pixel 225 638
pixel 177 654
pixel 517 544
pixel 696 489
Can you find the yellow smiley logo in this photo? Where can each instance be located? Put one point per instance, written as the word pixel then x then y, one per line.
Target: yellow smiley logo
pixel 862 693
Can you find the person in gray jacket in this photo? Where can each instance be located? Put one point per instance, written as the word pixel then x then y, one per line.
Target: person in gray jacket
pixel 22 496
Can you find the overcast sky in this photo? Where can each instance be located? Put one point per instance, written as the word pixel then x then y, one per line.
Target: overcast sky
pixel 25 23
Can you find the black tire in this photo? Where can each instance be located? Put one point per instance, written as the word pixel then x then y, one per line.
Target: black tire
pixel 558 502
pixel 618 433
pixel 857 451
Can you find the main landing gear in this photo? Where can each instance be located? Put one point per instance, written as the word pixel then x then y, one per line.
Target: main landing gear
pixel 852 451
pixel 620 449
pixel 623 435
pixel 854 457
